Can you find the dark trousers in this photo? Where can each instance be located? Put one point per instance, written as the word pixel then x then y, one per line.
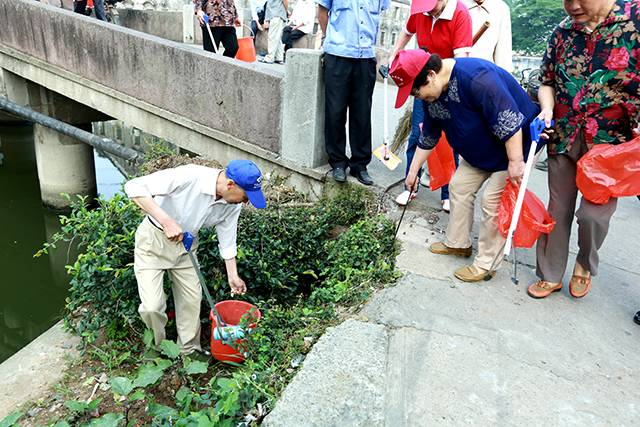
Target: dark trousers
pixel 593 220
pixel 225 35
pixel 80 6
pixel 349 84
pixel 289 35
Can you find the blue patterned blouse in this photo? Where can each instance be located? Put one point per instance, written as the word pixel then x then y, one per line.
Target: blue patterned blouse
pixel 480 110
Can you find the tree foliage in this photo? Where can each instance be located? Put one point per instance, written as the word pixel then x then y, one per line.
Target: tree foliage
pixel 533 21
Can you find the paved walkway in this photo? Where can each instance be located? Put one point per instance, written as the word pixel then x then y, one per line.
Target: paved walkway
pixel 433 350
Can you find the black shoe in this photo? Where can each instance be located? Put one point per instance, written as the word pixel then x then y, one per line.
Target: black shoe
pixel 362 176
pixel 636 318
pixel 339 174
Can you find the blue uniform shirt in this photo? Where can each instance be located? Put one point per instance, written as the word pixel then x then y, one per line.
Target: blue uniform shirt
pixel 481 109
pixel 353 26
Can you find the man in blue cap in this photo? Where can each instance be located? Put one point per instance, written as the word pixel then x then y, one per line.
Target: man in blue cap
pixel 181 199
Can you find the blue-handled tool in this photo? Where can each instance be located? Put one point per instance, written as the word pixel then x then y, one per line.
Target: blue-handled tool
pixel 536 128
pixel 213 41
pixel 222 332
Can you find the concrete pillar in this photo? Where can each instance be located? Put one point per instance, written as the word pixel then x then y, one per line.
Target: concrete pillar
pixel 65 165
pixel 188 24
pixel 303 108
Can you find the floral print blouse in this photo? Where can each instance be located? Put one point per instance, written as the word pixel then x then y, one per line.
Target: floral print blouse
pixel 596 79
pixel 222 13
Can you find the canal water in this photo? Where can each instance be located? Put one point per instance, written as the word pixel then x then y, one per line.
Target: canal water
pixel 32 290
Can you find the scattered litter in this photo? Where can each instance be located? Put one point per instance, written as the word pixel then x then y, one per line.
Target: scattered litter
pixel 103 378
pixel 297 361
pixel 33 412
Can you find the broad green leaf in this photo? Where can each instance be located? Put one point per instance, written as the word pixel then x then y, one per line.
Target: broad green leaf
pixel 195 367
pixel 137 395
pixel 163 363
pixel 170 349
pixel 10 420
pixel 161 411
pixel 147 375
pixel 147 338
pixel 121 385
pixel 62 423
pixel 76 406
pixel 182 393
pixel 93 405
pixel 107 420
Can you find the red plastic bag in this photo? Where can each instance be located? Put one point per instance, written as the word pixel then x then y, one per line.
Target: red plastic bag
pixel 441 164
pixel 610 171
pixel 534 218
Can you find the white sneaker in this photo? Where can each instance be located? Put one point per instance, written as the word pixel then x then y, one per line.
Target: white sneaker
pixel 446 205
pixel 425 180
pixel 405 197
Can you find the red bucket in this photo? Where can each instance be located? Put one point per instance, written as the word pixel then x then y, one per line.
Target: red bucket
pixel 231 312
pixel 246 48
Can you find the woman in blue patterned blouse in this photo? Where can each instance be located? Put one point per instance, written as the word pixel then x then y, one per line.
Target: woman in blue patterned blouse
pixel 485 115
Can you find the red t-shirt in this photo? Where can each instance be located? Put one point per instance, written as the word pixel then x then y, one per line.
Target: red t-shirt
pixel 447 35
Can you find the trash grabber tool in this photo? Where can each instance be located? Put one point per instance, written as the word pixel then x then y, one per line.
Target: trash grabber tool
pixel 213 41
pixel 223 331
pixel 404 210
pixel 536 128
pixel 383 153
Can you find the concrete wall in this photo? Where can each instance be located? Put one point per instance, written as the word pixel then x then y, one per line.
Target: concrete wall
pixel 215 92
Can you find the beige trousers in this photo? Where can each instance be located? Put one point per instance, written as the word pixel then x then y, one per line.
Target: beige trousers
pixel 153 255
pixel 275 47
pixel 463 189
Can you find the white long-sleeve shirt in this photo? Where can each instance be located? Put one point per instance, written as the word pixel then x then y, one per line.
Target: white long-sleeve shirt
pixel 304 13
pixel 495 44
pixel 188 195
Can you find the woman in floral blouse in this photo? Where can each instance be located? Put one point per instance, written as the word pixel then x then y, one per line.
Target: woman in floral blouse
pixel 590 83
pixel 223 16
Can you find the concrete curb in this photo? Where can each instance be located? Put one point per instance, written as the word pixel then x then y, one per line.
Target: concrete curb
pixel 30 372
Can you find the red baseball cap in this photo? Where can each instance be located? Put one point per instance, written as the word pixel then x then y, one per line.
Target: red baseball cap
pixel 404 69
pixel 421 6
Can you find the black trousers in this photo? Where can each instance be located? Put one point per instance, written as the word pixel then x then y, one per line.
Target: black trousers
pixel 349 84
pixel 289 35
pixel 225 35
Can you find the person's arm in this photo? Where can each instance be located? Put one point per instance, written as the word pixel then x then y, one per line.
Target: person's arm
pixel 420 156
pixel 197 4
pixel 171 228
pixel 286 7
pixel 141 191
pixel 403 39
pixel 515 156
pixel 323 19
pixel 236 284
pixel 227 231
pixel 430 133
pixel 462 35
pixel 547 99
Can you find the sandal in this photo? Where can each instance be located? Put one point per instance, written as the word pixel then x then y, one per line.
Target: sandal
pixel 542 289
pixel 579 286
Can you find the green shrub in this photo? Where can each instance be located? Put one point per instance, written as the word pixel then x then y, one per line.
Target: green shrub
pixel 298 261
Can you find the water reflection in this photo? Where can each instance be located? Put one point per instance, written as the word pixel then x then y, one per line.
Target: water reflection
pixel 32 290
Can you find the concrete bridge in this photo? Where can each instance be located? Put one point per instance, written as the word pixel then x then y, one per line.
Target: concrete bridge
pixel 80 70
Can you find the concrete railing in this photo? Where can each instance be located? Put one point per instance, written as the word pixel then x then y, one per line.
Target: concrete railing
pixel 207 94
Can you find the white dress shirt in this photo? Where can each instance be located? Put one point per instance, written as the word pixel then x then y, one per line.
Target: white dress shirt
pixel 495 43
pixel 188 195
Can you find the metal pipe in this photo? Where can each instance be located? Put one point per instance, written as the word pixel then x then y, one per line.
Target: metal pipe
pixel 101 143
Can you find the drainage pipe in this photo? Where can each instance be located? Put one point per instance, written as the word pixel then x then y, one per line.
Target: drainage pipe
pixel 101 143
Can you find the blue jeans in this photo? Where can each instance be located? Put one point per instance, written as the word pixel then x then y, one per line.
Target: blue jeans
pixel 416 118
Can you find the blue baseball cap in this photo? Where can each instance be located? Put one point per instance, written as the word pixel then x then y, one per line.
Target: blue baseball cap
pixel 246 174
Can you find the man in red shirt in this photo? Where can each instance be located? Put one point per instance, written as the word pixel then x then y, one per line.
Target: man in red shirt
pixel 442 27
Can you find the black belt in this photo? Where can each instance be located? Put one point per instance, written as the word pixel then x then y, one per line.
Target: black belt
pixel 154 224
